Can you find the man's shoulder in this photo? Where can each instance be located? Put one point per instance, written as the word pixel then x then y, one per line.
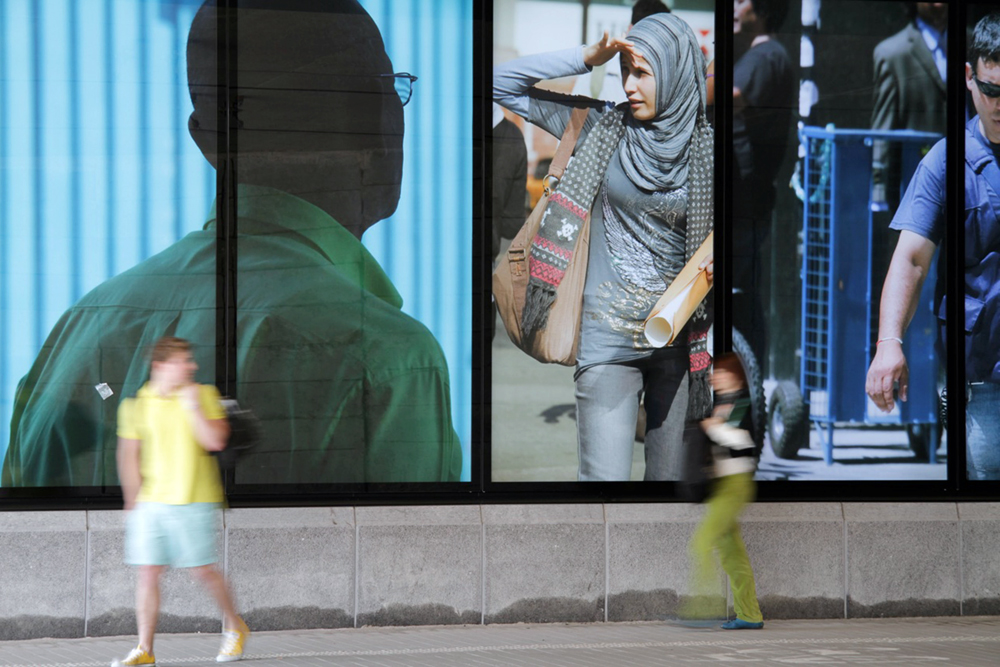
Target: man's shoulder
pixel 190 259
pixel 378 336
pixel 770 50
pixel 977 154
pixel 937 155
pixel 896 45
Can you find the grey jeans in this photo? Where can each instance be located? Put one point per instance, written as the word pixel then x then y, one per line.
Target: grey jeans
pixel 607 405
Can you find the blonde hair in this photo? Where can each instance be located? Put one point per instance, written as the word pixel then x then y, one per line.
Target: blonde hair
pixel 167 347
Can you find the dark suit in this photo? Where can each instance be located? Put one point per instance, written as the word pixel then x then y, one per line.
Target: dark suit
pixel 909 95
pixel 909 92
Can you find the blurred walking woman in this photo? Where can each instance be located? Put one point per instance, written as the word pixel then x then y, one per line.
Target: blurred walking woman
pixel 643 170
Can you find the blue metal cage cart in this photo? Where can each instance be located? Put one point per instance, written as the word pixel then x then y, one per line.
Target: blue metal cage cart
pixel 842 274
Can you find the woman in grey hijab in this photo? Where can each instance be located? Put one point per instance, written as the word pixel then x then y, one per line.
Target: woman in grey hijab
pixel 642 171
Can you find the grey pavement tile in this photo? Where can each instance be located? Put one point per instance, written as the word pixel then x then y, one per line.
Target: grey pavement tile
pixel 966 642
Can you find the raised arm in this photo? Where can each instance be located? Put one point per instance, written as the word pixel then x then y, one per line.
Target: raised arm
pixel 513 83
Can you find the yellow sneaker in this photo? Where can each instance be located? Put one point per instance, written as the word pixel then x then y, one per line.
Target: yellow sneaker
pixel 233 643
pixel 136 657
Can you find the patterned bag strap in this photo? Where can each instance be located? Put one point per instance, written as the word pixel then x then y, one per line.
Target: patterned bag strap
pixel 567 144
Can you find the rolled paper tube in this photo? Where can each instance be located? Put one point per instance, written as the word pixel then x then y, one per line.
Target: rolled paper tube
pixel 680 300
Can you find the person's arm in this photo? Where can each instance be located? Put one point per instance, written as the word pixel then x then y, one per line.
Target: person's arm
pixel 726 435
pixel 910 264
pixel 710 84
pixel 129 474
pixel 739 101
pixel 513 83
pixel 211 433
pixel 513 80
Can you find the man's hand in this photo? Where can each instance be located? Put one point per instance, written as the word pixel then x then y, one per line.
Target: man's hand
pixel 606 49
pixel 888 367
pixel 190 395
pixel 911 260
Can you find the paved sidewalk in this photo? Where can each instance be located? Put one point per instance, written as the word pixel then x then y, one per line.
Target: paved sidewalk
pixel 964 641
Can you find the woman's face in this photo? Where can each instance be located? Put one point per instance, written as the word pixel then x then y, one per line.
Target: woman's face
pixel 640 86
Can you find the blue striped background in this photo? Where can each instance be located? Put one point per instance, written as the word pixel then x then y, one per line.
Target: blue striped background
pixel 97 171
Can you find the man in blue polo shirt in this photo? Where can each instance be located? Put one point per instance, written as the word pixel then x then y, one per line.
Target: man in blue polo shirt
pixel 921 220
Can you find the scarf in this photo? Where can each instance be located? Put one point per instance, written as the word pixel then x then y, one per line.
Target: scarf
pixel 673 149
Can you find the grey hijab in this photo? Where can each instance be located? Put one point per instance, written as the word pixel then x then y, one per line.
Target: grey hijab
pixel 655 154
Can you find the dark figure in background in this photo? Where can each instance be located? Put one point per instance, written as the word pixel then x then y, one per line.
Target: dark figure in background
pixel 910 91
pixel 921 221
pixel 643 8
pixel 510 174
pixel 347 387
pixel 764 89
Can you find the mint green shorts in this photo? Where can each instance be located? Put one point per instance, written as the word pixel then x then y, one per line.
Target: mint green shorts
pixel 175 535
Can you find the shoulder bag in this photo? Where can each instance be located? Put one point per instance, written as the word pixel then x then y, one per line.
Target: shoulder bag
pixel 557 343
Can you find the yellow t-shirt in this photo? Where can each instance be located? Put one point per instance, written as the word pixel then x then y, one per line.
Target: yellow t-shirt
pixel 175 469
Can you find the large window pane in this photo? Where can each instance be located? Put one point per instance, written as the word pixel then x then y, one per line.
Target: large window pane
pixel 557 423
pixel 353 159
pixel 830 243
pixel 982 245
pixel 98 175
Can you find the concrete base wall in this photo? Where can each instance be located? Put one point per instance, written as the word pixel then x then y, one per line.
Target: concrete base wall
pixel 61 573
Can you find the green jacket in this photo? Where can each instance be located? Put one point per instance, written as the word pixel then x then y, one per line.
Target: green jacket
pixel 347 387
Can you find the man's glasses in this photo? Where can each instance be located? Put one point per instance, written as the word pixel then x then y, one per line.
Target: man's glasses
pixel 988 89
pixel 403 83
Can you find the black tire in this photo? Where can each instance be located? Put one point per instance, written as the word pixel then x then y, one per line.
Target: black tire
pixel 788 420
pixel 758 409
pixel 920 436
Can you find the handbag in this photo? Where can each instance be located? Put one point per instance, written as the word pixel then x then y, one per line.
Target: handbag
pixel 244 434
pixel 557 343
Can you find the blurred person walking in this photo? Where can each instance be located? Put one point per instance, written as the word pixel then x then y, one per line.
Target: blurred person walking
pixel 733 461
pixel 172 491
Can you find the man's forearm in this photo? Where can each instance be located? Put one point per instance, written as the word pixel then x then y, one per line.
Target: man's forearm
pixel 211 434
pixel 900 295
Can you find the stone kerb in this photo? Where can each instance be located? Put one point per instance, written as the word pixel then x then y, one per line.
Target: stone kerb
pixel 184 604
pixel 293 568
pixel 903 559
pixel 797 553
pixel 544 563
pixel 419 565
pixel 648 559
pixel 980 539
pixel 43 572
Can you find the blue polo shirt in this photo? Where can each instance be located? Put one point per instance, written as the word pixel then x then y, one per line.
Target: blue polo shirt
pixel 923 212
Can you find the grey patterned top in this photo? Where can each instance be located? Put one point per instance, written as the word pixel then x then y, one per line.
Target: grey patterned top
pixel 637 238
pixel 637 242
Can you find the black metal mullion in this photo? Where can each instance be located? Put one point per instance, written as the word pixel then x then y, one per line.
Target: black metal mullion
pixel 953 251
pixel 226 207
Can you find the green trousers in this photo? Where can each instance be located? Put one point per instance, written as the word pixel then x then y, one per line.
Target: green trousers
pixel 719 531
